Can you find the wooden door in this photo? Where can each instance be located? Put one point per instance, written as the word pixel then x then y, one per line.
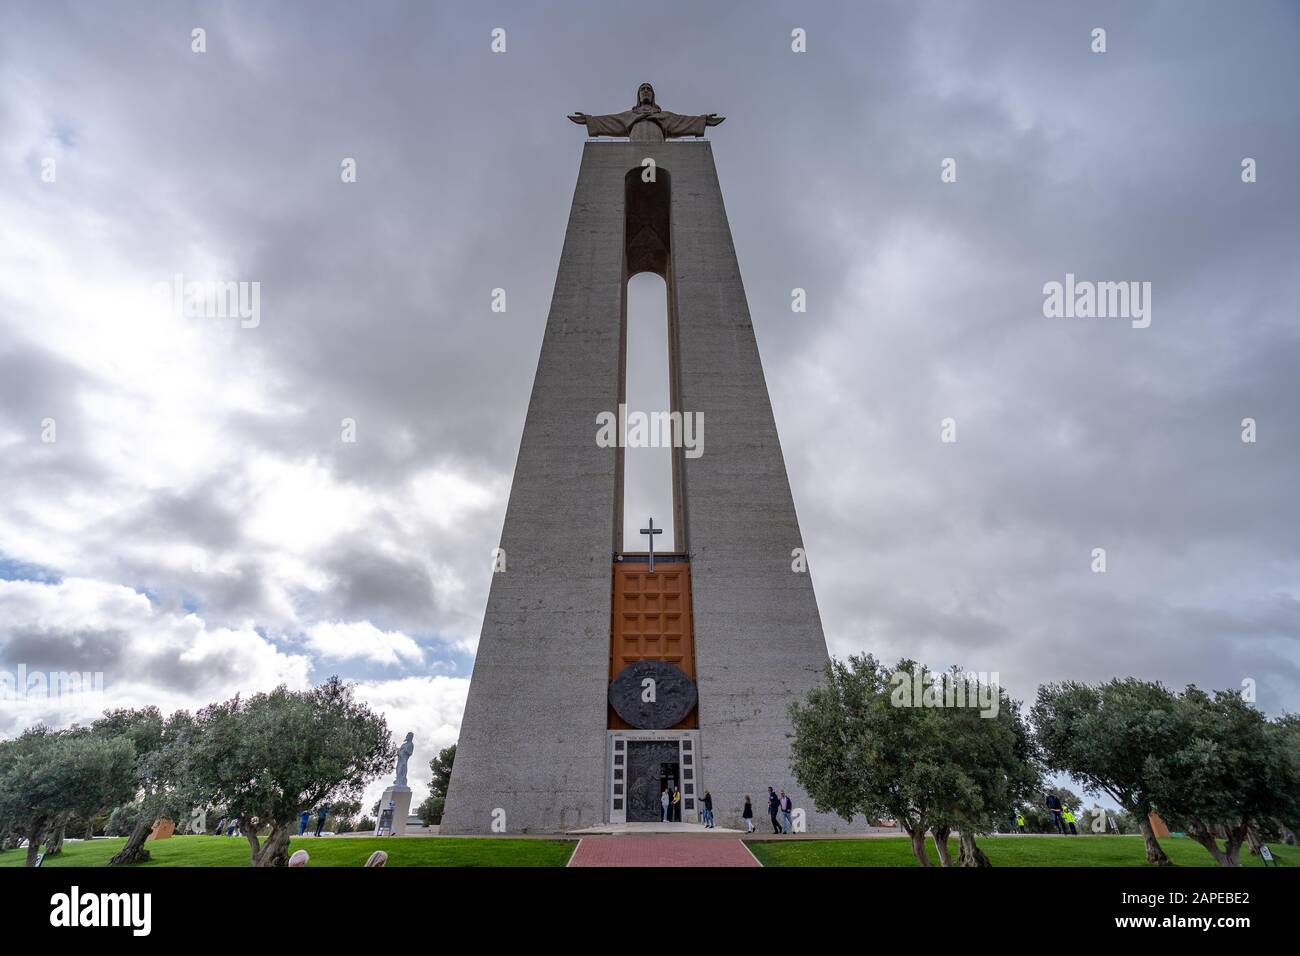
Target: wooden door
pixel 652 622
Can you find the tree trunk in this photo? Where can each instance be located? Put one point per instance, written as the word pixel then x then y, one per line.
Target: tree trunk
pixel 1235 837
pixel 1155 855
pixel 1208 837
pixel 254 844
pixel 941 844
pixel 970 854
pixel 54 838
pixel 1211 845
pixel 917 836
pixel 1253 840
pixel 275 851
pixel 34 843
pixel 134 851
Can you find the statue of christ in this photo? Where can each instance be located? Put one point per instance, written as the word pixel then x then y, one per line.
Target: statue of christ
pixel 646 122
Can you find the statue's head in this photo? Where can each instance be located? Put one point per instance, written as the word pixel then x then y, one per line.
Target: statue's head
pixel 410 735
pixel 645 95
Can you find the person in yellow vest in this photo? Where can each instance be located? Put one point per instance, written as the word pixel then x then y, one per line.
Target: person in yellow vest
pixel 676 816
pixel 1068 815
pixel 1020 822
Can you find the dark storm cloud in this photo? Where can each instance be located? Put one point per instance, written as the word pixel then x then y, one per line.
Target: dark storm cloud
pixel 925 300
pixel 392 593
pixel 204 515
pixel 71 650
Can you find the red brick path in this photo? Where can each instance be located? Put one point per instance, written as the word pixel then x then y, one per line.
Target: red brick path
pixel 661 850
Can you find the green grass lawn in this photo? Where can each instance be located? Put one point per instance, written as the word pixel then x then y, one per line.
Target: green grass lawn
pixel 326 851
pixel 1001 851
pixel 1100 851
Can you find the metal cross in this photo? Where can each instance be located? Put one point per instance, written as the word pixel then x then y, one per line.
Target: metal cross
pixel 651 532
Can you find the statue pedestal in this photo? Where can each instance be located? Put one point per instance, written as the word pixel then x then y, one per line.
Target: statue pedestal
pixel 396 824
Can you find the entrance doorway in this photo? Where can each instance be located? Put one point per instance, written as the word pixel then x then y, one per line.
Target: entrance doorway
pixel 652 765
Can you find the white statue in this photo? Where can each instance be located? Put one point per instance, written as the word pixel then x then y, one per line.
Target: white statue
pixel 403 755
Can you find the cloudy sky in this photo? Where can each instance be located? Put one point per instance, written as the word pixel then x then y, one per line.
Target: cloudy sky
pixel 179 510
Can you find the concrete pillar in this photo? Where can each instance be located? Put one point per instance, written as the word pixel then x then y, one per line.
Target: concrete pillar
pixel 532 751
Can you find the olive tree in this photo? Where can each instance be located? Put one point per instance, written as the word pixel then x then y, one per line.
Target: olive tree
pixel 1106 737
pixel 159 744
pixel 860 748
pixel 1229 773
pixel 47 776
pixel 268 757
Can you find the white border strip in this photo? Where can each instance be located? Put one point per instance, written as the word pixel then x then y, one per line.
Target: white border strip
pixel 574 854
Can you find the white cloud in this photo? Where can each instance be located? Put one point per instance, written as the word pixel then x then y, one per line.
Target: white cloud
pixel 146 655
pixel 361 639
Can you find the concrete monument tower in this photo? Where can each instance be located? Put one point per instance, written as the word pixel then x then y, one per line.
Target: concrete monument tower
pixel 601 677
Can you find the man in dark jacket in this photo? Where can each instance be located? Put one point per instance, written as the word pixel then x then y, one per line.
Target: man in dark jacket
pixel 773 807
pixel 1053 804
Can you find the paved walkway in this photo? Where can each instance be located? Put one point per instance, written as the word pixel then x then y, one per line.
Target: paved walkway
pixel 661 850
pixel 638 829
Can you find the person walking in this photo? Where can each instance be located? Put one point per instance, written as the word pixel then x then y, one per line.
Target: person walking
pixel 787 806
pixel 1068 815
pixel 1020 822
pixel 708 810
pixel 664 800
pixel 747 814
pixel 773 808
pixel 321 814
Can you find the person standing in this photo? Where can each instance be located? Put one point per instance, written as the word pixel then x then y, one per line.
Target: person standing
pixel 1020 822
pixel 773 808
pixel 787 806
pixel 664 800
pixel 677 805
pixel 321 814
pixel 1053 804
pixel 304 818
pixel 747 814
pixel 708 810
pixel 1068 815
